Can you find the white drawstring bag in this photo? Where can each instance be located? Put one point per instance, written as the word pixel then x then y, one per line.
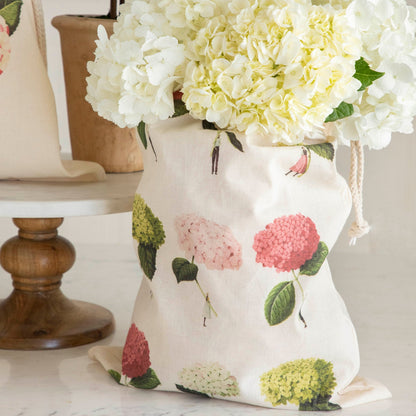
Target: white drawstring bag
pixel 237 300
pixel 29 142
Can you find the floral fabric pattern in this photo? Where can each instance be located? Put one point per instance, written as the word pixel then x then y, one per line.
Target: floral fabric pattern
pixel 136 355
pixel 307 383
pixel 5 48
pixel 210 379
pixel 208 242
pixel 287 243
pixel 149 233
pixel 205 242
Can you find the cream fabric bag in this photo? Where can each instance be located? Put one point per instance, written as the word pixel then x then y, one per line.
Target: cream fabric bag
pixel 29 143
pixel 237 301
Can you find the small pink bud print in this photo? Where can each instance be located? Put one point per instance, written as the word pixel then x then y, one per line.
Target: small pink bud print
pixel 301 166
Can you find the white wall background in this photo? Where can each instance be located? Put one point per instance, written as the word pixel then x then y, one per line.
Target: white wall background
pixel 390 197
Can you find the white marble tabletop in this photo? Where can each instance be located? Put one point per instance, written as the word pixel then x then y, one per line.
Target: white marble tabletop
pixel 29 199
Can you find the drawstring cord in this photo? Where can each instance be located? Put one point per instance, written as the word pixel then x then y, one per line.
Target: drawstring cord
pixel 360 226
pixel 40 28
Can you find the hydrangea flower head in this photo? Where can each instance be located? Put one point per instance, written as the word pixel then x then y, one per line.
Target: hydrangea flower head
pixel 208 242
pixel 211 379
pixel 136 356
pixel 147 229
pixel 5 48
pixel 286 243
pixel 135 72
pixel 298 382
pixel 388 32
pixel 275 69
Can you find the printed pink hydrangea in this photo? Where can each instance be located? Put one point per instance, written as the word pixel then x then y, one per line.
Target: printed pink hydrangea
pixel 136 355
pixel 208 242
pixel 5 49
pixel 286 243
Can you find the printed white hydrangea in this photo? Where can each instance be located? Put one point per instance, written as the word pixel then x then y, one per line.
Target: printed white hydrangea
pixel 5 49
pixel 388 30
pixel 209 378
pixel 272 68
pixel 135 71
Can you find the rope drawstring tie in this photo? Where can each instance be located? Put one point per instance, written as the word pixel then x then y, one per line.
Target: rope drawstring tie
pixel 40 27
pixel 360 226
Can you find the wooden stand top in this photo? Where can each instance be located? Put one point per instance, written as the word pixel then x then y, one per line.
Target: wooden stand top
pixel 30 199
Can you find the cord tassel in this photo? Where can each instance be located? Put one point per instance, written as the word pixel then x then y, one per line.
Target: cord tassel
pixel 360 226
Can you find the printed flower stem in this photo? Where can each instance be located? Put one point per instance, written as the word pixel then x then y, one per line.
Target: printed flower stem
pixel 154 151
pixel 215 155
pixel 303 297
pixel 206 298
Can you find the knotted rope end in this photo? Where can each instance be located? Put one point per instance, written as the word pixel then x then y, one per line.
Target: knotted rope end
pixel 356 231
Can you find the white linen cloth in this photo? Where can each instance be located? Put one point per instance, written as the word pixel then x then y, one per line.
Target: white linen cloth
pixel 29 142
pixel 262 202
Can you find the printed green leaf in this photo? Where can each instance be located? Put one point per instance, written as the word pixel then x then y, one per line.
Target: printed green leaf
pixel 312 266
pixel 180 108
pixel 234 141
pixel 148 381
pixel 321 404
pixel 342 111
pixel 184 270
pixel 10 11
pixel 116 376
pixel 365 74
pixel 206 125
pixel 141 128
pixel 280 303
pixel 325 150
pixel 185 390
pixel 147 257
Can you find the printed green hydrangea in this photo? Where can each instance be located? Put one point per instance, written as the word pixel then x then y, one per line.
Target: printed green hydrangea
pixel 147 229
pixel 301 382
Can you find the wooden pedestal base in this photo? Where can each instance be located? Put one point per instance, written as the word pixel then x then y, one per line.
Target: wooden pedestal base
pixel 37 315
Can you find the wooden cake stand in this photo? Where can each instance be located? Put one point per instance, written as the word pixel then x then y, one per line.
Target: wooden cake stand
pixel 37 315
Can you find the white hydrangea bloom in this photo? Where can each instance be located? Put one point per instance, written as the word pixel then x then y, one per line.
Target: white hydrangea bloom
pixel 272 69
pixel 209 378
pixel 135 71
pixel 388 30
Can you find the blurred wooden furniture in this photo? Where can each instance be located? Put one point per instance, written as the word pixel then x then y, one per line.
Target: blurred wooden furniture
pixel 37 315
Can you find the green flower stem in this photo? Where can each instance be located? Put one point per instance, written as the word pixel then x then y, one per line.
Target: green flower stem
pixel 206 298
pixel 300 286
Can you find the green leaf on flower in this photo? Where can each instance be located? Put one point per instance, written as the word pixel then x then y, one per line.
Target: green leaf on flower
pixel 312 266
pixel 141 128
pixel 180 108
pixel 365 74
pixel 116 376
pixel 280 303
pixel 342 111
pixel 148 381
pixel 147 257
pixel 185 390
pixel 184 270
pixel 234 141
pixel 206 125
pixel 319 404
pixel 325 150
pixel 10 11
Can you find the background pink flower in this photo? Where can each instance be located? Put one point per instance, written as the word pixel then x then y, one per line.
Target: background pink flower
pixel 286 243
pixel 210 243
pixel 5 49
pixel 136 356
